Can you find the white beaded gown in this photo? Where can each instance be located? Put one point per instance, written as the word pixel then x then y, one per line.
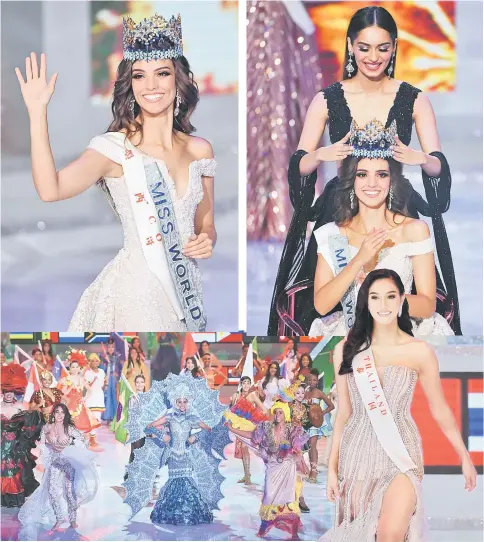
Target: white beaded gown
pixel 397 258
pixel 126 295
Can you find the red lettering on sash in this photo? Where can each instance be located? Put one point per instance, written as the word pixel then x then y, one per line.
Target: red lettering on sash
pixel 152 219
pixel 128 154
pixel 149 241
pixel 360 369
pixel 140 197
pixel 158 237
pixel 383 412
pixel 372 405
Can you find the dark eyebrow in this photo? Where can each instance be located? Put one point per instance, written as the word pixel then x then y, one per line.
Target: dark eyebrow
pixel 157 69
pixel 390 292
pixel 364 170
pixel 368 45
pixel 382 171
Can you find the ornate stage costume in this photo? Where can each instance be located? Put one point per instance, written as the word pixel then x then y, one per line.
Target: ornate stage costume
pixel 144 287
pixel 41 398
pixel 19 435
pixel 70 479
pixel 365 469
pixel 298 265
pixel 193 488
pixel 81 415
pixel 111 365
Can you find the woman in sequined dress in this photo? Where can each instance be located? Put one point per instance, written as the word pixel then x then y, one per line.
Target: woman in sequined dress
pixel 368 92
pixel 154 97
pixel 279 443
pixel 376 465
pixel 372 200
pixel 70 478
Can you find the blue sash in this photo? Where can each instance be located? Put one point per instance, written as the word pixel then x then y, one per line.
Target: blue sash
pixel 181 267
pixel 340 255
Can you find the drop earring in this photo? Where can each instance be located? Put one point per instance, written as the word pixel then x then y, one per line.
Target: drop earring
pixel 352 198
pixel 390 69
pixel 177 103
pixel 349 67
pixel 131 106
pixel 390 197
pixel 400 311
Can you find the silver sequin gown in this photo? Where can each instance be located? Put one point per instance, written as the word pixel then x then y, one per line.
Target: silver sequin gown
pixel 399 259
pixel 126 295
pixel 364 469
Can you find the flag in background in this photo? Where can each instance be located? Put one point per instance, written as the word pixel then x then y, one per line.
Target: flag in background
pixel 189 349
pixel 20 356
pixel 59 370
pixel 117 425
pixel 121 347
pixel 248 369
pixel 33 384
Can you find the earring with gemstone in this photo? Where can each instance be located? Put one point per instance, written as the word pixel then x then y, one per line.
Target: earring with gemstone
pixel 352 198
pixel 178 102
pixel 131 106
pixel 390 197
pixel 349 67
pixel 400 311
pixel 390 69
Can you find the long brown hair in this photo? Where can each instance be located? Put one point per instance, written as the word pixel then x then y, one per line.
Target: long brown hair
pixel 123 95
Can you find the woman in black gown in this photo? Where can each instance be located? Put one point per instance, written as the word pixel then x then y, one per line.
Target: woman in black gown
pixel 367 92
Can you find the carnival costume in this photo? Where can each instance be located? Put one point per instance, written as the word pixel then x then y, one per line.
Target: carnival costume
pixel 19 434
pixel 145 286
pixel 376 446
pixel 298 265
pixel 192 491
pixel 70 480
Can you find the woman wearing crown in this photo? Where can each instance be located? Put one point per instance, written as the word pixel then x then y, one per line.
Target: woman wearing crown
pixel 158 177
pixel 368 96
pixel 373 230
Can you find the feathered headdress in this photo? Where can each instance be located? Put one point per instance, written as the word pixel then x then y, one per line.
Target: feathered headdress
pixel 152 39
pixel 289 394
pixel 77 355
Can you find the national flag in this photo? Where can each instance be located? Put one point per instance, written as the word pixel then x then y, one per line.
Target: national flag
pixel 322 360
pixel 117 425
pixel 59 369
pixel 33 383
pixel 20 356
pixel 121 347
pixel 248 369
pixel 189 349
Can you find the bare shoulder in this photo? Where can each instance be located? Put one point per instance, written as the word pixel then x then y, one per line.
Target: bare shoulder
pixel 422 103
pixel 420 351
pixel 198 147
pixel 319 105
pixel 415 230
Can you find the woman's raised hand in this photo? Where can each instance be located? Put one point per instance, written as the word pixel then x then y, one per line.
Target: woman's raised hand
pixel 36 91
pixel 372 244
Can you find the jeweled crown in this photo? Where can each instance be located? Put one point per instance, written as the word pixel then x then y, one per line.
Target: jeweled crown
pixel 155 38
pixel 374 140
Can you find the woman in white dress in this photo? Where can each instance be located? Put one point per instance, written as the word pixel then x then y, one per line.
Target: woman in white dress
pixel 94 378
pixel 158 177
pixel 372 230
pixel 272 384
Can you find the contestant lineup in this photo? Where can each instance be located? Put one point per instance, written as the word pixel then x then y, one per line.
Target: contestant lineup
pixel 349 405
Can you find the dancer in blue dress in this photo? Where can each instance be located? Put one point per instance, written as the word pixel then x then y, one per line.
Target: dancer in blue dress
pixel 182 415
pixel 112 366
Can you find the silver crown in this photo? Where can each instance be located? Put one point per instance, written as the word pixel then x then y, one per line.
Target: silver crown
pixel 374 140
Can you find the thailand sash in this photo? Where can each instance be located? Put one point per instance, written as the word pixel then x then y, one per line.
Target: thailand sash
pixel 340 255
pixel 160 238
pixel 371 392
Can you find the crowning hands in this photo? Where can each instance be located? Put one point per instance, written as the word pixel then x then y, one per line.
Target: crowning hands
pixel 36 92
pixel 405 155
pixel 336 152
pixel 198 246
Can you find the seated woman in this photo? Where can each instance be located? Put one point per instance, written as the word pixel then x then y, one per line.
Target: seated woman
pixel 372 230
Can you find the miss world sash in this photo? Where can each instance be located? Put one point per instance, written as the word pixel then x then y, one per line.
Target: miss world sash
pixel 340 255
pixel 381 418
pixel 158 231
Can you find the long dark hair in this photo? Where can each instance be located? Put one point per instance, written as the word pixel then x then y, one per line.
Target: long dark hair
pixel 50 351
pixel 359 336
pixel 140 348
pixel 200 348
pixel 363 18
pixel 123 95
pixel 402 190
pixel 130 361
pixel 306 355
pixel 68 421
pixel 268 374
pixel 195 369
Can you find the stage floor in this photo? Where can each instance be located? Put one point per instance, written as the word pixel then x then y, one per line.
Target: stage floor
pixel 107 518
